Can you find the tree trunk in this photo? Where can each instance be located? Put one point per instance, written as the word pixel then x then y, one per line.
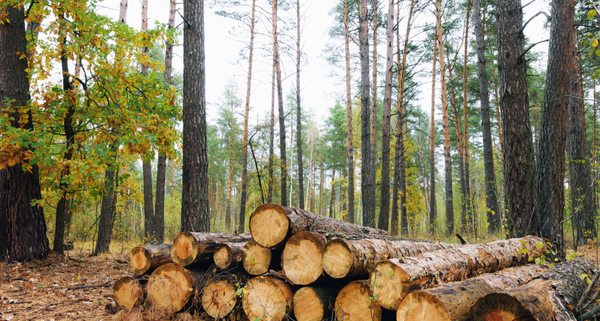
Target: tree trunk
pixel 267 296
pixel 452 301
pixel 491 191
pixel 272 141
pixel 272 224
pixel 519 166
pixel 549 296
pixel 384 210
pixel 356 257
pixel 374 108
pixel 195 209
pixel 22 225
pixel 432 200
pixel 229 174
pixel 198 247
pixel 446 125
pixel 302 259
pixel 128 292
pixel 299 114
pixel 332 198
pixel 282 149
pixel 350 140
pixel 219 296
pixel 461 163
pixel 242 217
pixel 355 302
pixel 393 279
pixel 107 208
pixel 469 204
pixel 367 173
pixel 170 287
pixel 145 259
pixel 228 254
pixel 551 169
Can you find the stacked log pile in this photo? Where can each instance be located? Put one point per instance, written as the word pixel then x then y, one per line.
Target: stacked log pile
pixel 297 265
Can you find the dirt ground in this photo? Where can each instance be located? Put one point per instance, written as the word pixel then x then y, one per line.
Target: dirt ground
pixel 79 287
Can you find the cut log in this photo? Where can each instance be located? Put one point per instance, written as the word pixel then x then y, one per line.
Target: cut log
pixel 272 224
pixel 226 255
pixel 551 296
pixel 311 303
pixel 170 286
pixel 355 302
pixel 302 258
pixel 255 258
pixel 198 247
pixel 128 292
pixel 393 279
pixel 344 258
pixel 145 259
pixel 267 298
pixel 219 297
pixel 453 301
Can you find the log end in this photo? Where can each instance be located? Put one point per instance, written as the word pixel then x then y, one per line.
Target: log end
pixel 388 284
pixel 269 225
pixel 255 258
pixel 303 257
pixel 267 298
pixel 219 297
pixel 499 307
pixel 423 306
pixel 308 306
pixel 355 302
pixel 184 249
pixel 169 287
pixel 222 256
pixel 139 260
pixel 128 292
pixel 337 258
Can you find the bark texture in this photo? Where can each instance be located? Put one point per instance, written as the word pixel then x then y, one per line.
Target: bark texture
pixel 299 113
pixel 194 198
pixel 350 138
pixel 198 247
pixel 282 148
pixel 145 259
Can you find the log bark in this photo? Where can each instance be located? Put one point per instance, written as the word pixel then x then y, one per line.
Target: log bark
pixel 226 255
pixel 255 258
pixel 344 258
pixel 198 247
pixel 302 259
pixel 128 292
pixel 311 303
pixel 170 286
pixel 453 301
pixel 393 279
pixel 145 259
pixel 355 302
pixel 267 298
pixel 551 296
pixel 272 224
pixel 219 297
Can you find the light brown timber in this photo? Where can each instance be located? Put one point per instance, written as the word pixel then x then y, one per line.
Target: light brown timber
pixel 256 259
pixel 453 301
pixel 145 259
pixel 219 297
pixel 393 279
pixel 302 259
pixel 551 296
pixel 267 298
pixel 227 254
pixel 345 258
pixel 272 224
pixel 128 292
pixel 311 303
pixel 355 302
pixel 170 287
pixel 198 247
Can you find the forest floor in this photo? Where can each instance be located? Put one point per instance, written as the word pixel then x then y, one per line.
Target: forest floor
pixel 78 286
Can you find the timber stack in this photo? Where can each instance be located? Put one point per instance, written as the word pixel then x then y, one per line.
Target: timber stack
pixel 297 265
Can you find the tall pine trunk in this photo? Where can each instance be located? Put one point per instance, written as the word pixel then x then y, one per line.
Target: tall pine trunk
pixel 432 200
pixel 195 209
pixel 299 114
pixel 374 101
pixel 242 216
pixel 466 159
pixel 491 191
pixel 271 187
pixel 282 149
pixel 349 119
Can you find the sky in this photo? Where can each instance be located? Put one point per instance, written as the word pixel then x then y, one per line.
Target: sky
pixel 226 39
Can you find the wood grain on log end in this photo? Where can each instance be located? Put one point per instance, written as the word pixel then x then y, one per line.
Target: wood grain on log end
pixel 184 249
pixel 421 306
pixel 128 292
pixel 169 287
pixel 226 254
pixel 355 302
pixel 219 297
pixel 303 257
pixel 255 258
pixel 144 259
pixel 269 225
pixel 388 284
pixel 139 260
pixel 499 307
pixel 337 258
pixel 308 306
pixel 267 298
